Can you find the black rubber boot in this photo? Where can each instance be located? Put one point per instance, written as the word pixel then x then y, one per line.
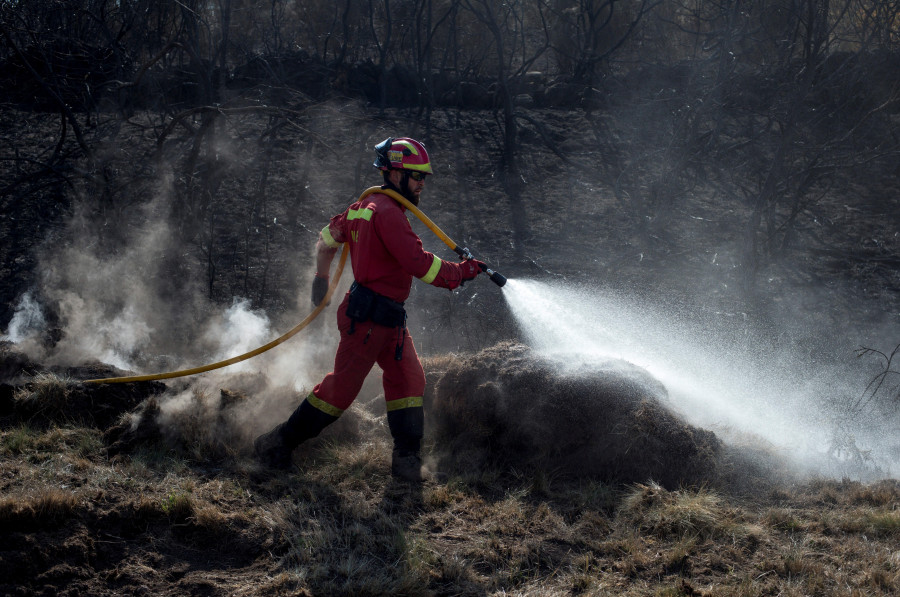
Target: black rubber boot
pixel 274 448
pixel 271 450
pixel 407 428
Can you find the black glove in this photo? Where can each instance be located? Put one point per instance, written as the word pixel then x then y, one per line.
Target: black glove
pixel 319 289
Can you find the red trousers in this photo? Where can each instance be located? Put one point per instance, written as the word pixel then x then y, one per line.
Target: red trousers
pixel 370 343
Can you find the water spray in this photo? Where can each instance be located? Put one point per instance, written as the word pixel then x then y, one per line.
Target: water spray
pixel 464 253
pixel 722 375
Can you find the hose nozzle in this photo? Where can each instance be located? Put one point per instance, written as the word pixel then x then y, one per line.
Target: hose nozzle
pixel 496 277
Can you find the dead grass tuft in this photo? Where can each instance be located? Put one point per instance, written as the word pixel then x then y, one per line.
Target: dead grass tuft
pixel 9 511
pixel 211 519
pixel 53 505
pixel 882 523
pixel 784 519
pixel 442 496
pixel 213 524
pixel 666 514
pixel 884 579
pixel 178 506
pixel 676 560
pixel 796 562
pixel 146 509
pixel 46 396
pixel 46 508
pixel 881 493
pixel 349 463
pixel 18 440
pixel 630 555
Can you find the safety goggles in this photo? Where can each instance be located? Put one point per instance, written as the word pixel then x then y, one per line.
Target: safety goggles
pixel 416 175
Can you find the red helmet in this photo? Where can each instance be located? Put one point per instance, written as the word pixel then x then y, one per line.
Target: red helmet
pixel 403 153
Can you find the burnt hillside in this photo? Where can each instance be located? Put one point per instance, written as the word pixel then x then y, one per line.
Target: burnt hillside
pixel 746 155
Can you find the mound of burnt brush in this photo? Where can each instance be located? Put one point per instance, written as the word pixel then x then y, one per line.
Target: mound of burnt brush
pixel 509 407
pixel 206 426
pixel 40 396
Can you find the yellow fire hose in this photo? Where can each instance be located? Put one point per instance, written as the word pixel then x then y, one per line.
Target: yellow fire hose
pixel 464 253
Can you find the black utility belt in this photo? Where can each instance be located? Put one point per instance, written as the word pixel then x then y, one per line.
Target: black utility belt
pixel 367 305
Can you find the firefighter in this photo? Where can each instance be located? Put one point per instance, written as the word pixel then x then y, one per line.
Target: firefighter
pixel 385 255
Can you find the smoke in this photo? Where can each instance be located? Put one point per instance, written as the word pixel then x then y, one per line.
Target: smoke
pixel 719 371
pixel 120 304
pixel 27 321
pixel 237 331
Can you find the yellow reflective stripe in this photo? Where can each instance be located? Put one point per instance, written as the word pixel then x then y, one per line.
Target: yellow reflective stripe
pixel 324 406
pixel 329 240
pixel 432 273
pixel 412 148
pixel 410 402
pixel 360 214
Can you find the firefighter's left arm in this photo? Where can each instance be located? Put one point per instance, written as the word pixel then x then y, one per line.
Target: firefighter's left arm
pixel 326 247
pixel 325 254
pixel 331 237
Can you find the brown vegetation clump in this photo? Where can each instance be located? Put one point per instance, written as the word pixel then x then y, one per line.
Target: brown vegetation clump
pixel 42 396
pixel 51 398
pixel 48 507
pixel 507 406
pixel 652 510
pixel 194 422
pixel 46 395
pixel 214 427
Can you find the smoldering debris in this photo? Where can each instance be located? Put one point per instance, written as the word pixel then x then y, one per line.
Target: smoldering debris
pixel 506 406
pixel 15 365
pixel 215 426
pixel 39 396
pixel 27 319
pixel 208 418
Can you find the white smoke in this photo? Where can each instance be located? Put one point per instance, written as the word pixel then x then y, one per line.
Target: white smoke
pixel 27 322
pixel 95 334
pixel 237 331
pixel 106 306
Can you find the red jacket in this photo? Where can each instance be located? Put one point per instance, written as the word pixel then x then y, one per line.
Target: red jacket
pixel 385 252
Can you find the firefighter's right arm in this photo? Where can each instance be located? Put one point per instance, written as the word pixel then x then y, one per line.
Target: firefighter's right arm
pixel 406 247
pixel 446 274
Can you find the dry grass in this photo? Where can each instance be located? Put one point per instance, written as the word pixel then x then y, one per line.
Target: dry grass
pixel 198 518
pixel 178 506
pixel 46 507
pixel 45 396
pixel 78 445
pixel 676 514
pixel 337 524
